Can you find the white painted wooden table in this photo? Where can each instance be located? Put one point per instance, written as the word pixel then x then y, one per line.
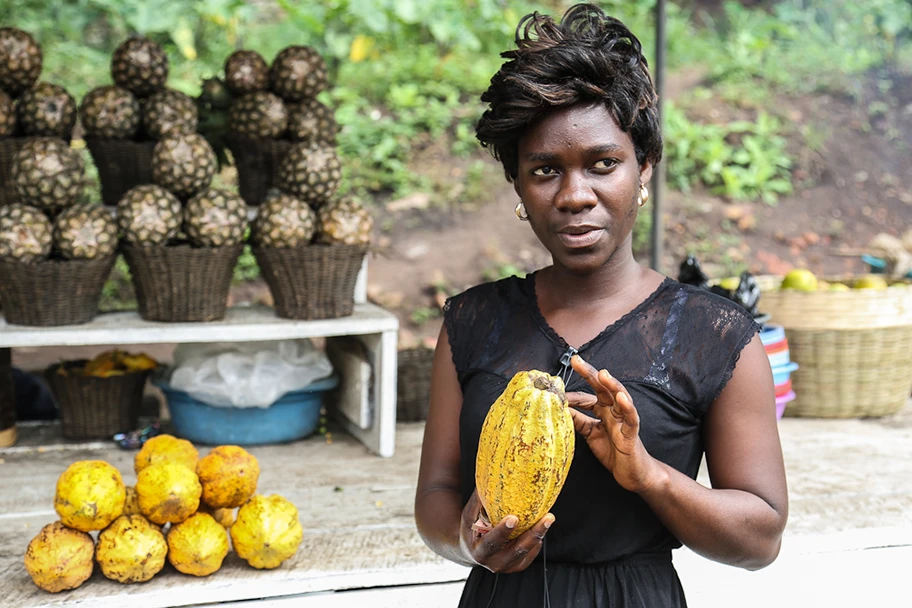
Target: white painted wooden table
pixel 375 327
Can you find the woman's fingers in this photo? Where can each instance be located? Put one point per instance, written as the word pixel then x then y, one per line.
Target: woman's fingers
pixel 528 545
pixel 583 401
pixel 494 541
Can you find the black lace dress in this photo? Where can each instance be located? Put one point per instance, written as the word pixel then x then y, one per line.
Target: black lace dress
pixel 674 353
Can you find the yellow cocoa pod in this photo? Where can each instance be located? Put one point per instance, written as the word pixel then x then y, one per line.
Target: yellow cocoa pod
pixel 229 476
pixel 168 493
pixel 225 517
pixel 90 495
pixel 525 450
pixel 267 531
pixel 131 550
pixel 59 558
pixel 198 545
pixel 166 448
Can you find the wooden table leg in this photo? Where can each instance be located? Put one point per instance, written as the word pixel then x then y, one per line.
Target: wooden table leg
pixel 7 399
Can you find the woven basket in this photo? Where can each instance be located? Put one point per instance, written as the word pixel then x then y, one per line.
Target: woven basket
pixel 312 282
pixel 52 292
pixel 413 385
pixel 96 408
pixel 854 349
pixel 257 162
pixel 122 164
pixel 182 283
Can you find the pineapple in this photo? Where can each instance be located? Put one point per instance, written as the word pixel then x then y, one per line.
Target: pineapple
pixel 258 115
pixel 169 112
pixel 85 232
pixel 25 234
pixel 283 221
pixel 148 215
pixel 246 72
pixel 140 65
pixel 47 110
pixel 298 72
pixel 48 174
pixel 344 222
pixel 311 172
pixel 215 218
pixel 311 121
pixel 20 61
pixel 183 164
pixel 7 115
pixel 110 112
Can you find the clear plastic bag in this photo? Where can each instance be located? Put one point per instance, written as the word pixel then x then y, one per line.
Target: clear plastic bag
pixel 247 374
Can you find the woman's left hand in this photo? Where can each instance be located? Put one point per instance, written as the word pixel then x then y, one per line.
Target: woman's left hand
pixel 614 436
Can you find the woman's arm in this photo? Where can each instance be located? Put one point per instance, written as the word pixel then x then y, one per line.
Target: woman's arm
pixel 438 503
pixel 741 519
pixel 444 524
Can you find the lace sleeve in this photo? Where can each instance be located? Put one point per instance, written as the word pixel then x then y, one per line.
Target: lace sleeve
pixel 472 321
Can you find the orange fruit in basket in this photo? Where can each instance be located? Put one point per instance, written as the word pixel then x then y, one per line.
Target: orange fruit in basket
pixel 166 448
pixel 799 279
pixel 229 476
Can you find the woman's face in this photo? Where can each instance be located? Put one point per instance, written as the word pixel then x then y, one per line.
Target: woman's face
pixel 579 180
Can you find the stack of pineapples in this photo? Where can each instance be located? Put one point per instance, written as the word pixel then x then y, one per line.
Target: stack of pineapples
pixel 183 509
pixel 28 107
pixel 50 237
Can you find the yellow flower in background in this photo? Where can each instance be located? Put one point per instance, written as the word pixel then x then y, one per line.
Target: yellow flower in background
pixel 361 48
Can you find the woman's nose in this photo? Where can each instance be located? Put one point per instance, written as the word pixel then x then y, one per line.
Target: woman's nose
pixel 575 193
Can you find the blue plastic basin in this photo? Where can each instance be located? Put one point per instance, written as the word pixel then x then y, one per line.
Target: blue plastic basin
pixel 294 416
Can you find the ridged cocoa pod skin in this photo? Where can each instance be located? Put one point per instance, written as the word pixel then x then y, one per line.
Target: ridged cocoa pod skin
pixel 525 450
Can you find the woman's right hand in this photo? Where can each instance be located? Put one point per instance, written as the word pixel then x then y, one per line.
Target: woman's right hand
pixel 493 549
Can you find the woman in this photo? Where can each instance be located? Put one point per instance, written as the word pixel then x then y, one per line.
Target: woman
pixel 573 120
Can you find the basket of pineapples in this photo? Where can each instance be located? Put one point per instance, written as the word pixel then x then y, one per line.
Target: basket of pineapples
pixel 181 257
pixel 310 259
pixel 28 107
pixel 123 122
pixel 56 252
pixel 273 108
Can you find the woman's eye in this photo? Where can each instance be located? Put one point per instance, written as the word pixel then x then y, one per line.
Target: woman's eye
pixel 605 163
pixel 543 171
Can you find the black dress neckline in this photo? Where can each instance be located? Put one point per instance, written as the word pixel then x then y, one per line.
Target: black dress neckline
pixel 552 334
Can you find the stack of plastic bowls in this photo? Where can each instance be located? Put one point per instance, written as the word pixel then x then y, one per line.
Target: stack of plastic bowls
pixel 777 349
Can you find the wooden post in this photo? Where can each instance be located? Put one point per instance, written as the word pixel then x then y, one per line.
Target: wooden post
pixel 7 399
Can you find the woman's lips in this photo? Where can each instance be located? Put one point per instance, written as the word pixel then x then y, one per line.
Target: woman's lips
pixel 580 240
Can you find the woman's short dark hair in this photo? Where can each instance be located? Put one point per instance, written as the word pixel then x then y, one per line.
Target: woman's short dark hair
pixel 587 57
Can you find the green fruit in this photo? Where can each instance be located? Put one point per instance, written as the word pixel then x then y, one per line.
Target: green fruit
pixel 85 232
pixel 298 72
pixel 215 218
pixel 839 287
pixel 140 65
pixel 25 234
pixel 110 112
pixel 800 280
pixel 20 61
pixel 284 221
pixel 149 215
pixel 730 283
pixel 871 281
pixel 47 110
pixel 48 174
pixel 246 72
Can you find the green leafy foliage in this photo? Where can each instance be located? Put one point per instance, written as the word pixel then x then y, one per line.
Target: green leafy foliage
pixel 741 159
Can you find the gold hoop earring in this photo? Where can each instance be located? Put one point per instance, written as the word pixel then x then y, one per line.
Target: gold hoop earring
pixel 644 195
pixel 521 212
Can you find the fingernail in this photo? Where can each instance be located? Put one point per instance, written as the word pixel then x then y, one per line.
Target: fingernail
pixel 510 522
pixel 548 523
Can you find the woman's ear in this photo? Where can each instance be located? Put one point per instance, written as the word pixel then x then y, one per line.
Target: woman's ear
pixel 646 172
pixel 516 188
